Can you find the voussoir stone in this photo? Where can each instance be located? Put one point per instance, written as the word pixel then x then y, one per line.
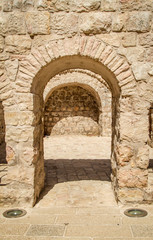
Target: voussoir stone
pixel 1 43
pixel 95 23
pixel 38 23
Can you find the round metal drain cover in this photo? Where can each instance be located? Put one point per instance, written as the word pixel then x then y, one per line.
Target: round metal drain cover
pixel 14 213
pixel 135 212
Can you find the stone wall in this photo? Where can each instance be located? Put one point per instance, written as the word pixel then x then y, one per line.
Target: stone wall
pixel 151 126
pixel 39 39
pixel 66 102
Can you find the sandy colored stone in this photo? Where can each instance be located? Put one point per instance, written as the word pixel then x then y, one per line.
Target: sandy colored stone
pixel 38 23
pixel 11 67
pixel 126 195
pixel 129 39
pixel 108 5
pixel 140 70
pixel 12 23
pixel 62 23
pixel 132 178
pixel 97 231
pixel 139 22
pixel 45 230
pixel 72 5
pixel 18 44
pixel 146 39
pixel 13 229
pixel 8 6
pixel 1 44
pixel 118 22
pixel 141 5
pixel 95 23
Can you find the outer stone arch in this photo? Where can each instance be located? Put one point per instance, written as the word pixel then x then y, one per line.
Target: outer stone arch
pixel 35 70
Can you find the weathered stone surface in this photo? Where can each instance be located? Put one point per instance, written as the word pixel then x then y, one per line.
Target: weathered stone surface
pixel 146 39
pixel 1 44
pixel 12 23
pixel 18 44
pixel 62 23
pixel 109 5
pixel 132 178
pixel 129 40
pixel 118 22
pixel 138 5
pixel 8 5
pixel 27 4
pixel 130 195
pixel 11 67
pixel 138 22
pixel 110 38
pixel 95 23
pixel 142 157
pixel 38 23
pixel 71 5
pixel 17 4
pixel 140 70
pixel 124 154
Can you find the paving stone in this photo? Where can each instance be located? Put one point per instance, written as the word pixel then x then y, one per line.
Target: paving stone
pixel 34 219
pixel 96 231
pixel 13 229
pixel 89 220
pixel 99 210
pixel 142 230
pixel 45 230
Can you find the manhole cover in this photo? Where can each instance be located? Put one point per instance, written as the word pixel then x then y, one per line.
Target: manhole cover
pixel 135 212
pixel 14 213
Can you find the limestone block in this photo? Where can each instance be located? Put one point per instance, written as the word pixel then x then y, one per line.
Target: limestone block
pixel 137 5
pixel 132 178
pixel 12 23
pixel 118 21
pixel 138 22
pixel 140 70
pixel 7 5
pixel 21 174
pixel 149 54
pixel 69 5
pixel 10 155
pixel 108 5
pixel 142 159
pixel 18 44
pixel 17 4
pixel 133 54
pixel 1 44
pixel 19 134
pixel 27 4
pixel 125 195
pixel 11 67
pixel 124 154
pixel 111 39
pixel 19 118
pixel 62 23
pixel 38 23
pixel 95 23
pixel 129 39
pixel 146 39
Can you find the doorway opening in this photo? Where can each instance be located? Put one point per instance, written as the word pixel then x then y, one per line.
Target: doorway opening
pixel 77 141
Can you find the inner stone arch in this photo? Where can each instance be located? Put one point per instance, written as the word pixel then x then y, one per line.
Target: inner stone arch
pixel 94 86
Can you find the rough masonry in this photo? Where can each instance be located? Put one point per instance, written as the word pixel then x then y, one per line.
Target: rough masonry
pixel 40 40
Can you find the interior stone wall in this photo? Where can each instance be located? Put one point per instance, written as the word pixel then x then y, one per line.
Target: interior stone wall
pixel 66 102
pixel 40 39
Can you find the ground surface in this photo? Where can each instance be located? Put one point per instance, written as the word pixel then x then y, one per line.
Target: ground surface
pixel 78 202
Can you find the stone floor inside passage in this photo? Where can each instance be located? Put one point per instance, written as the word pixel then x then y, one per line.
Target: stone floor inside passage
pixel 78 202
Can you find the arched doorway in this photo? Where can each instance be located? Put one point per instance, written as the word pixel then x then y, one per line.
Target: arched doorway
pixel 129 133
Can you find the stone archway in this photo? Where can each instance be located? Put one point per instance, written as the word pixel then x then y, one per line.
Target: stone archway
pixel 129 124
pixel 92 83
